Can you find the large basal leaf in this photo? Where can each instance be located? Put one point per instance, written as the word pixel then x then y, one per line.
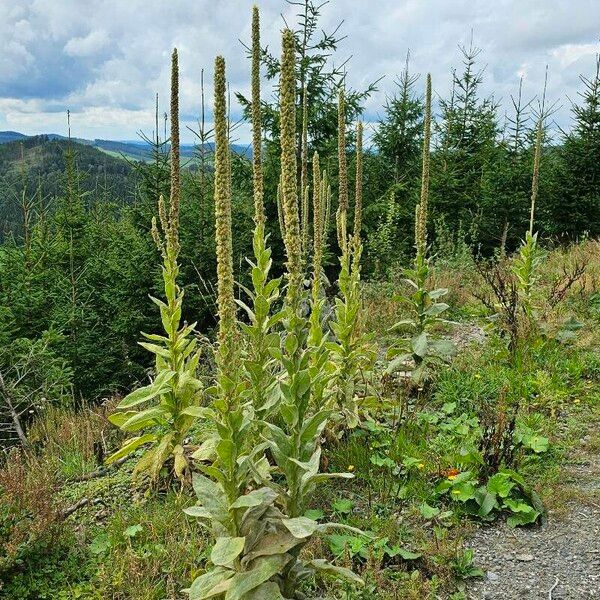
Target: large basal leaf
pixel 263 570
pixel 301 527
pixel 266 591
pixel 204 586
pixel 210 496
pixel 324 566
pixel 129 446
pixel 419 344
pixel 226 550
pixel 277 542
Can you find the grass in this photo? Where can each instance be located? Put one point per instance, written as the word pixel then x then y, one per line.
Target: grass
pixel 129 543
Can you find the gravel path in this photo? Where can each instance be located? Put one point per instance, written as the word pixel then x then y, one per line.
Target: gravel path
pixel 557 561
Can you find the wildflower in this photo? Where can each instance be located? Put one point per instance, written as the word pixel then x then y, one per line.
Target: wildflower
pixel 351 468
pixel 420 466
pixel 477 375
pixel 451 473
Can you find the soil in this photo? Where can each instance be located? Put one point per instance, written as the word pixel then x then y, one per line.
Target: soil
pixel 559 560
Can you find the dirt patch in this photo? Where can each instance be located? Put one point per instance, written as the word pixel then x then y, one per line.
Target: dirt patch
pixel 559 560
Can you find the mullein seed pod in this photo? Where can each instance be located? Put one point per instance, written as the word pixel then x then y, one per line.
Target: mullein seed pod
pixel 257 174
pixel 342 212
pixel 535 182
pixel 326 220
pixel 421 216
pixel 225 284
pixel 289 192
pixel 305 219
pixel 280 211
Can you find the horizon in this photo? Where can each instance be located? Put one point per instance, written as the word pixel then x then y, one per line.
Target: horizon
pixel 105 66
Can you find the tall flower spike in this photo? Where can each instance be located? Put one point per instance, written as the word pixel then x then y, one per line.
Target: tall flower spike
pixel 175 161
pixel 359 184
pixel 342 212
pixel 225 285
pixel 289 192
pixel 304 172
pixel 257 174
pixel 421 213
pixel 535 182
pixel 317 218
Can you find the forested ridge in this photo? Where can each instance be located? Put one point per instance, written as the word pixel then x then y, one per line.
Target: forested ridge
pixel 407 307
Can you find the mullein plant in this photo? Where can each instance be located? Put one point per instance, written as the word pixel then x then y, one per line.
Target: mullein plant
pixel 526 264
pixel 251 542
pixel 352 357
pixel 420 353
pixel 259 531
pixel 175 393
pixel 295 445
pixel 260 333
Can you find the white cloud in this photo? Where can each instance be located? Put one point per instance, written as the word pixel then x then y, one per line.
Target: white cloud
pixel 92 43
pixel 105 59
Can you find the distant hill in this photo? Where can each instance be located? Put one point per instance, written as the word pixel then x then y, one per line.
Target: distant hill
pixel 131 150
pixel 11 136
pixel 40 160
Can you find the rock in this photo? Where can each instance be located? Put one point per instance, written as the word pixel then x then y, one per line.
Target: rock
pixel 493 577
pixel 525 557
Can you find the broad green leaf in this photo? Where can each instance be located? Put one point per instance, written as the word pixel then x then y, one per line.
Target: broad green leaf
pixel 487 505
pixel 277 542
pixel 419 344
pixel 198 511
pixel 211 496
pixel 201 412
pixel 500 484
pixel 429 512
pixel 156 349
pixel 325 566
pixel 263 570
pixel 203 586
pixel 408 555
pixel 206 450
pixel 145 418
pixel 129 446
pixel 226 550
pixel 266 591
pixel 143 394
pixel 301 527
pixel 253 498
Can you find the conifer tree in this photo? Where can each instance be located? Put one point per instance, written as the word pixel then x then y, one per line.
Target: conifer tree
pixel 575 208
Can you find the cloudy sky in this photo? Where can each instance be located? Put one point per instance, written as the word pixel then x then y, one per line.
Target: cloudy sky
pixel 104 60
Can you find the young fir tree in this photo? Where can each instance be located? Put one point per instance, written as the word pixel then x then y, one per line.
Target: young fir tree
pixel 576 207
pixel 467 132
pixel 399 133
